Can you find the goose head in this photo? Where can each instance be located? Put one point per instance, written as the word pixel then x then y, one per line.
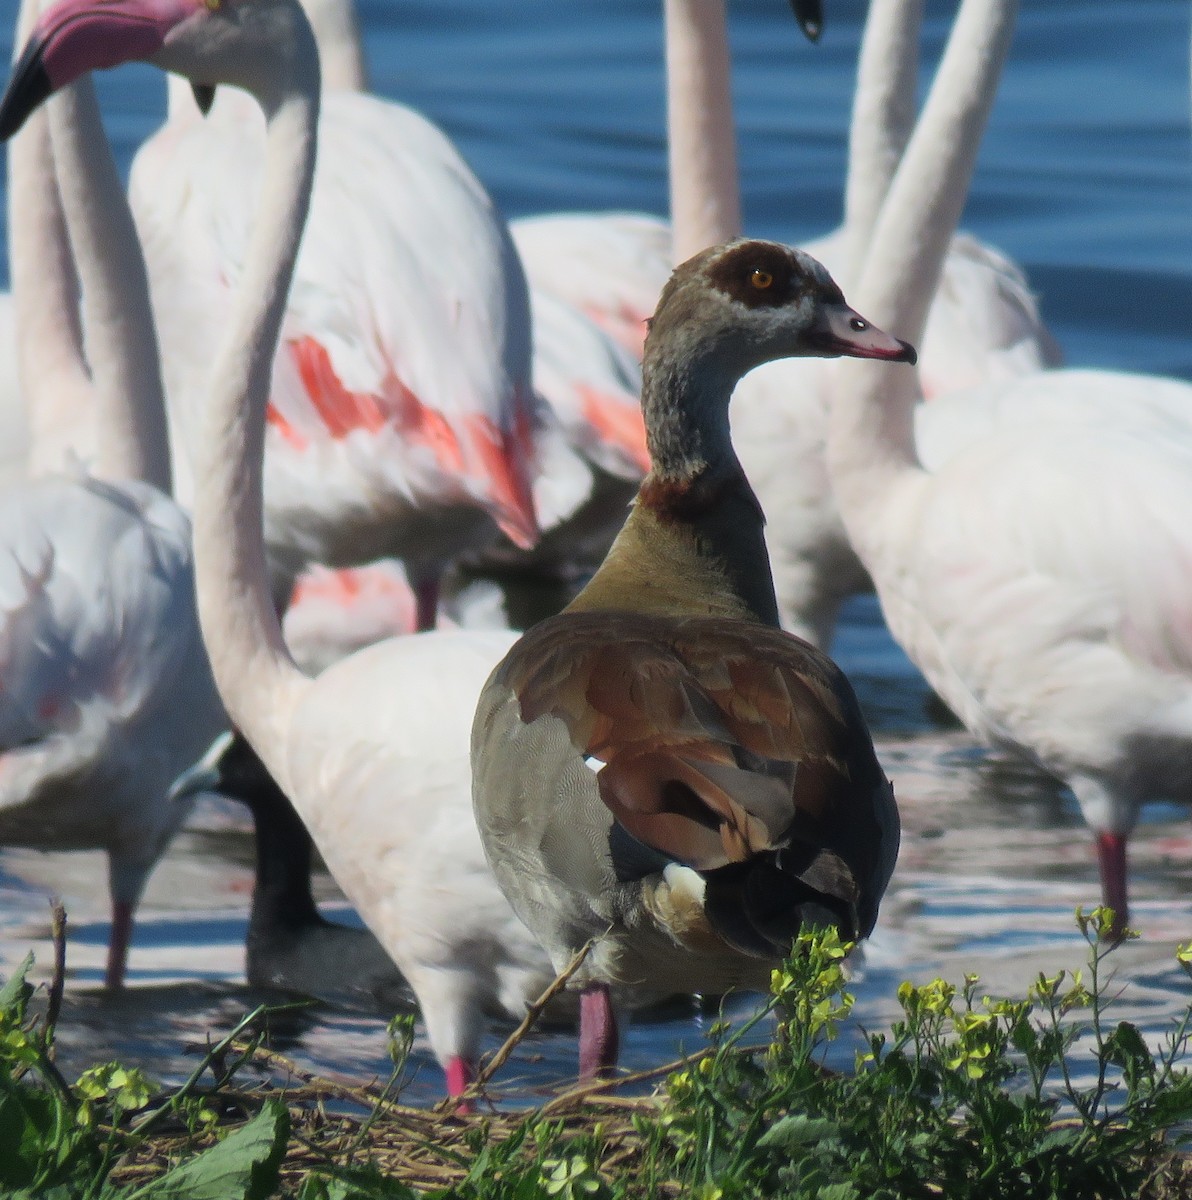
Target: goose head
pixel 725 311
pixel 257 45
pixel 752 301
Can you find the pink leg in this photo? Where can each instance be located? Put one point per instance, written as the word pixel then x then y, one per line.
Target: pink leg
pixel 460 1072
pixel 598 1042
pixel 426 593
pixel 1111 858
pixel 118 944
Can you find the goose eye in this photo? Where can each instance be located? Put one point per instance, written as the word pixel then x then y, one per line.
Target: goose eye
pixel 761 279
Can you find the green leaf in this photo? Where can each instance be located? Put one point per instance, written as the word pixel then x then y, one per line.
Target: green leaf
pixel 15 991
pixel 29 1120
pixel 837 1191
pixel 355 1184
pixel 791 1132
pixel 244 1166
pixel 1059 1138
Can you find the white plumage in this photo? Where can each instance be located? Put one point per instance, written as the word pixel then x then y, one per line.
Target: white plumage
pixel 401 419
pixel 105 691
pixel 374 752
pixel 1036 572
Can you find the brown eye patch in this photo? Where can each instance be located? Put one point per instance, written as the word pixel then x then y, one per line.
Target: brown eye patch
pixel 758 274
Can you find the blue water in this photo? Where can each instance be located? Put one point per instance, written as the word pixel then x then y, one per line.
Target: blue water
pixel 1085 177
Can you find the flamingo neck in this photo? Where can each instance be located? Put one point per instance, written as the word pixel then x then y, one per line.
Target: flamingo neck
pixel 883 117
pixel 341 49
pixel 133 442
pixel 704 191
pixel 53 374
pixel 180 100
pixel 871 451
pixel 927 195
pixel 256 676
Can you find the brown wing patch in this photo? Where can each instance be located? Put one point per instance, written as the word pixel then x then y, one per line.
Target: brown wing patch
pixel 719 737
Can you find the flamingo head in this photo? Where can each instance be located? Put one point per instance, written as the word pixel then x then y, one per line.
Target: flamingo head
pixel 245 43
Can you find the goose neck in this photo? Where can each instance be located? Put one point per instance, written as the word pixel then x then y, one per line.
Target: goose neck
pixel 694 542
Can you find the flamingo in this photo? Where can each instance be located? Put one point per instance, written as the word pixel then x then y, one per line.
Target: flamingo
pixel 592 386
pixel 289 944
pixel 373 752
pixel 341 49
pixel 1035 576
pixel 402 421
pixel 983 323
pixel 106 691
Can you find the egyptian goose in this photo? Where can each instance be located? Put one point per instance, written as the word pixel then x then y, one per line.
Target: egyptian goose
pixel 660 769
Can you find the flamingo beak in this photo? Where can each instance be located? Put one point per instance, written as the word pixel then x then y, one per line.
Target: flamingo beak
pixel 843 331
pixel 29 86
pixel 204 94
pixel 205 775
pixel 77 36
pixel 810 15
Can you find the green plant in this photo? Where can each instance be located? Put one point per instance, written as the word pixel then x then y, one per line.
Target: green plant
pixel 960 1099
pixel 967 1096
pixel 60 1141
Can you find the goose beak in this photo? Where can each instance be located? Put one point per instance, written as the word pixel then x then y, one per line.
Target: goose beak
pixel 843 331
pixel 204 776
pixel 810 15
pixel 77 36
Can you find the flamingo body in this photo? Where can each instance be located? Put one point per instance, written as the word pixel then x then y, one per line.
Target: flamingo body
pixel 106 692
pixel 609 266
pixel 1070 537
pixel 405 849
pixel 410 406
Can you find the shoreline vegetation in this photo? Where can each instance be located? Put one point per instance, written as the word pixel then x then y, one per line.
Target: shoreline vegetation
pixel 966 1095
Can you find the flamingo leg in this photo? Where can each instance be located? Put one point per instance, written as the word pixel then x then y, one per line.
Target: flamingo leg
pixel 1111 858
pixel 426 592
pixel 460 1072
pixel 118 944
pixel 598 1040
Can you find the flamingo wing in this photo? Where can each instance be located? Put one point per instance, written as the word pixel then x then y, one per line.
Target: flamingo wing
pixel 405 358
